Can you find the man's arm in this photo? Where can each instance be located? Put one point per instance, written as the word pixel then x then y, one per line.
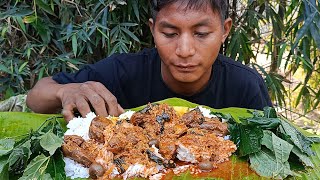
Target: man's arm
pixel 48 96
pixel 43 97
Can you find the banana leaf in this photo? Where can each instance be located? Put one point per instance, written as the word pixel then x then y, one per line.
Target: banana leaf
pixel 15 124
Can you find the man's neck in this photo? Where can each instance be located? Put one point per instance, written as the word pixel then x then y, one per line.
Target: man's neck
pixel 185 88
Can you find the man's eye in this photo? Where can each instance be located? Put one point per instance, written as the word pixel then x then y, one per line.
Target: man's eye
pixel 170 35
pixel 201 34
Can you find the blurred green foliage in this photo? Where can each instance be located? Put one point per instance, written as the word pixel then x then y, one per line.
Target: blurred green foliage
pixel 41 37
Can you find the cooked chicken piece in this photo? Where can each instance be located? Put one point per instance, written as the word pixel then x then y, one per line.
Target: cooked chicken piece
pixel 175 128
pixel 74 147
pixel 125 136
pixel 192 118
pixel 97 126
pixel 197 148
pixel 213 125
pixel 104 157
pixel 167 146
pixel 153 117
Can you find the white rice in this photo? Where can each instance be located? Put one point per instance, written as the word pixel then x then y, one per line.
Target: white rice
pixel 126 115
pixel 206 112
pixel 80 126
pixel 74 169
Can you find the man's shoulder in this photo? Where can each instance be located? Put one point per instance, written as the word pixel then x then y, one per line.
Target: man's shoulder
pixel 233 67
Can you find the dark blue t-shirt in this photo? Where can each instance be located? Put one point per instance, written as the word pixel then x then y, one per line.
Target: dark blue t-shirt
pixel 135 80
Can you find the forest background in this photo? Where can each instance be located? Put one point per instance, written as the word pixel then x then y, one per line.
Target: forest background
pixel 280 38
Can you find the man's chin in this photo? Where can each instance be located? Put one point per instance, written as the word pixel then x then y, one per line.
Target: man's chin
pixel 186 79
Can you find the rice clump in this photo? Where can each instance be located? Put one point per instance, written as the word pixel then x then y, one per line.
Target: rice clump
pixel 74 169
pixel 80 126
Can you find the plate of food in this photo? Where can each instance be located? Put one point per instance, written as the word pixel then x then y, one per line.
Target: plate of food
pixel 170 139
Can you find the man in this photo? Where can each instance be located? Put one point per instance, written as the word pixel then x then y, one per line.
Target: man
pixel 185 63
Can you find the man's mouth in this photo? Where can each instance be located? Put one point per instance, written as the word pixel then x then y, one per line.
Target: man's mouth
pixel 185 68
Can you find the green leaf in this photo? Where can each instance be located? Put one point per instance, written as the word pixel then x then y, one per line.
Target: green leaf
pixel 22 66
pixel 50 142
pixel 301 141
pixel 303 157
pixel 6 145
pixel 265 164
pixel 21 24
pixel 247 138
pixel 4 168
pixel 74 45
pixel 303 30
pixel 29 19
pixel 270 112
pixel 136 9
pixel 25 121
pixel 129 24
pixel 56 166
pixel 15 12
pixel 40 76
pixel 263 122
pixel 4 69
pixel 36 168
pixel 45 7
pixel 280 147
pixel 3 31
pixel 19 157
pixel 267 139
pixel 130 34
pixel 43 30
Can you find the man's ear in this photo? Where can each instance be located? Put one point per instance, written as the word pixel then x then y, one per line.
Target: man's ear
pixel 226 27
pixel 151 25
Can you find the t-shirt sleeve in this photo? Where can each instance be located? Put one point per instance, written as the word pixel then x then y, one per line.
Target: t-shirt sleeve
pixel 104 71
pixel 83 75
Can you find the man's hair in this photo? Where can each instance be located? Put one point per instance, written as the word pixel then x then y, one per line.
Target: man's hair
pixel 218 6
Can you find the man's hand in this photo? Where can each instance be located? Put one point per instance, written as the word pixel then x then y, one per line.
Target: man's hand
pixel 80 96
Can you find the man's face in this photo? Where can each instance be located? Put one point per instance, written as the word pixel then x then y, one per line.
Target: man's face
pixel 188 42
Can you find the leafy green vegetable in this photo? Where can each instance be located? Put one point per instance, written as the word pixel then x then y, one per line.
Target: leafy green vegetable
pixel 247 138
pixel 6 145
pixel 19 157
pixel 265 164
pixel 269 112
pixel 303 157
pixel 50 142
pixel 56 166
pixel 270 141
pixel 35 156
pixel 263 122
pixel 4 168
pixel 278 146
pixel 300 140
pixel 36 168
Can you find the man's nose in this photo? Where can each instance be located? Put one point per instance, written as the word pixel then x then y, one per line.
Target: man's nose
pixel 185 46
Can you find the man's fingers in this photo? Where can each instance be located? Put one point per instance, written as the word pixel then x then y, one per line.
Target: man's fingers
pixel 109 99
pixel 67 112
pixel 98 104
pixel 120 109
pixel 82 106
